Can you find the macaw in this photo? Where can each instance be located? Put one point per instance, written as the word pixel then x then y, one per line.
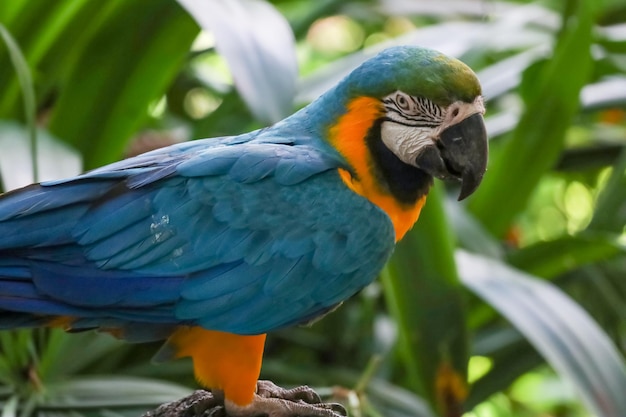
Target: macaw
pixel 212 243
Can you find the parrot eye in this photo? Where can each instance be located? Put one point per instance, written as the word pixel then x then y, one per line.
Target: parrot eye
pixel 403 102
pixel 412 111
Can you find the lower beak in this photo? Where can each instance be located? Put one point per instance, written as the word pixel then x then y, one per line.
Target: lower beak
pixel 464 150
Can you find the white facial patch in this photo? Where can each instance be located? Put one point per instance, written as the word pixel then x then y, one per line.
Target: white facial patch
pixel 415 123
pixel 406 142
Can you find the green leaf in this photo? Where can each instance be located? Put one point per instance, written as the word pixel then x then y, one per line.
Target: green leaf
pixel 593 157
pixel 28 92
pixel 128 63
pixel 610 212
pixel 552 99
pixel 259 46
pixel 9 9
pixel 44 30
pixel 16 354
pixel 511 356
pixel 553 258
pixel 560 330
pixel 65 354
pixel 604 292
pixel 394 401
pixel 424 296
pixel 470 233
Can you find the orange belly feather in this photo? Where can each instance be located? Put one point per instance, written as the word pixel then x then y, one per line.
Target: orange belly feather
pixel 225 361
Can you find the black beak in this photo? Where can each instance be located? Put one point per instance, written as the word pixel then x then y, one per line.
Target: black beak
pixel 462 154
pixel 464 151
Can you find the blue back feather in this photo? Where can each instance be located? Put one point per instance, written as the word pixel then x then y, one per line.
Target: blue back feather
pixel 242 234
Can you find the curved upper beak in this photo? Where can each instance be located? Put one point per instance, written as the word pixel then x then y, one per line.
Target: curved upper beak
pixel 464 151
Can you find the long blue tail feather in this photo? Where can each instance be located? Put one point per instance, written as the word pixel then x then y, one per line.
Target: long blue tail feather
pixel 35 293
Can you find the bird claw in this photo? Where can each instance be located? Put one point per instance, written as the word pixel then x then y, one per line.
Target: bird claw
pixel 200 403
pixel 274 401
pixel 267 389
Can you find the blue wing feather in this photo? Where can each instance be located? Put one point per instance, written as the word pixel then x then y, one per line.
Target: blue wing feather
pixel 243 234
pixel 85 286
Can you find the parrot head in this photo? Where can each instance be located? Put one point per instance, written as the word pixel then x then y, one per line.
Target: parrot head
pixel 425 110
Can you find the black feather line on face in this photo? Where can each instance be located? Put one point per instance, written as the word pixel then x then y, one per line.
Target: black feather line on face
pixel 404 122
pixel 422 110
pixel 406 183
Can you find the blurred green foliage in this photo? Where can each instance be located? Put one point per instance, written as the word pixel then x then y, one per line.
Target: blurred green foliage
pixel 542 241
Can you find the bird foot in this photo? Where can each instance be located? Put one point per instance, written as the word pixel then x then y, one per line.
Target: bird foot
pixel 274 401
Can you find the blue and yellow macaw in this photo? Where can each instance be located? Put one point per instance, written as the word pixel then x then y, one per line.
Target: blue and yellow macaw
pixel 211 244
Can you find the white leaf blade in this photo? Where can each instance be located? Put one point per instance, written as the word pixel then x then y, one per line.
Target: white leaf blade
pixel 562 332
pixel 55 159
pixel 112 391
pixel 259 47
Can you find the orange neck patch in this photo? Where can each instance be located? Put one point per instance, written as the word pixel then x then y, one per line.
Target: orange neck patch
pixel 348 137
